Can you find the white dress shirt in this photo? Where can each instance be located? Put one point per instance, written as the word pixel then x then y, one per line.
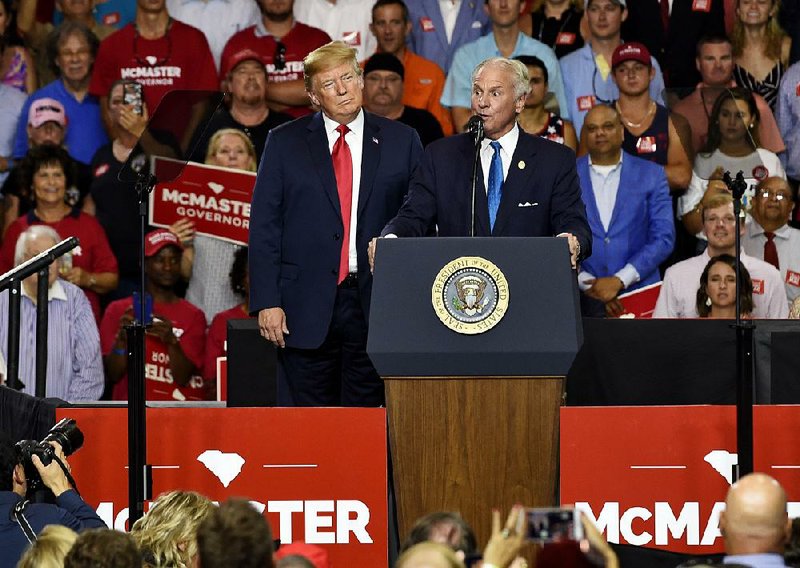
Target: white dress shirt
pixel 508 143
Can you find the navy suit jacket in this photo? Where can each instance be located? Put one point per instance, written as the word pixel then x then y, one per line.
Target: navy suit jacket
pixel 296 222
pixel 541 194
pixel 641 231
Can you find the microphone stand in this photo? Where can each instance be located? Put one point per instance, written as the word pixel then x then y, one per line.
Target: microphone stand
pixel 744 347
pixel 475 128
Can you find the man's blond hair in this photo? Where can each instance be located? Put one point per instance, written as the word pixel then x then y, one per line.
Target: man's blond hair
pixel 327 57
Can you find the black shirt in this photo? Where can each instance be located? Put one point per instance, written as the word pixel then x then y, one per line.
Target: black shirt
pixel 423 122
pixel 562 36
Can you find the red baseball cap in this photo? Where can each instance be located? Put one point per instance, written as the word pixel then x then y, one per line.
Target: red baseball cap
pixel 237 57
pixel 632 51
pixel 156 240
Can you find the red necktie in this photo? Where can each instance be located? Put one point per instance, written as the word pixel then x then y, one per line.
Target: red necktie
pixel 343 169
pixel 665 16
pixel 770 250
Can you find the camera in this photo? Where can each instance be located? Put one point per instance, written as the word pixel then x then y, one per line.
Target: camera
pixel 69 437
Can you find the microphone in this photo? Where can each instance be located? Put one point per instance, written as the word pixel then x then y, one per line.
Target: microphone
pixel 475 127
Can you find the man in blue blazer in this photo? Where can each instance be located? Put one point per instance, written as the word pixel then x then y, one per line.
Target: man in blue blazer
pixel 630 212
pixel 310 282
pixel 527 186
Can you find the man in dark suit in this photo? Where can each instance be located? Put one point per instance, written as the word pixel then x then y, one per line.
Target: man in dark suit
pixel 327 184
pixel 527 186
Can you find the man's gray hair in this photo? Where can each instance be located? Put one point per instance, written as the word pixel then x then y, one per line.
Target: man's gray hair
pixel 33 232
pixel 517 69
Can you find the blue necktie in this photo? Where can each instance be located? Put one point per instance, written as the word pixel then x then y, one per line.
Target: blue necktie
pixel 495 191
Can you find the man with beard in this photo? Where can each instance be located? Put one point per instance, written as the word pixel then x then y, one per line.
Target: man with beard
pixel 678 296
pixel 246 76
pixel 281 42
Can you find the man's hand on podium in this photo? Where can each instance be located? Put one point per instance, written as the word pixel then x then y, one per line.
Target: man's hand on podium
pixel 272 324
pixel 371 253
pixel 574 248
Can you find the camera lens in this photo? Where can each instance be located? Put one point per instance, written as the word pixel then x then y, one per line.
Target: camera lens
pixel 67 434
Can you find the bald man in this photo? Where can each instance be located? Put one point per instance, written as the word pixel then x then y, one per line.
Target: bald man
pixel 755 525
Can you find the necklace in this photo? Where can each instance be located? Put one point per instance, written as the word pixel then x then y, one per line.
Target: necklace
pixel 636 125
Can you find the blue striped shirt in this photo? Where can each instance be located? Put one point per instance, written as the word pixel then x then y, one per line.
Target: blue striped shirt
pixel 74 364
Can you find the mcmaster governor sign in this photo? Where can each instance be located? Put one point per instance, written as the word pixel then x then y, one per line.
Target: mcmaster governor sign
pixel 216 199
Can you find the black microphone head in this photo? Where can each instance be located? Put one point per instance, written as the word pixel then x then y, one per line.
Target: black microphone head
pixel 475 127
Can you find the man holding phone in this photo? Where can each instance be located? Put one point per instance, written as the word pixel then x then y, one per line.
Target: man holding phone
pixel 175 340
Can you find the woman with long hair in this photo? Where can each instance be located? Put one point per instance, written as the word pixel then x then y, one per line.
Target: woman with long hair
pixel 555 23
pixel 716 297
pixel 760 48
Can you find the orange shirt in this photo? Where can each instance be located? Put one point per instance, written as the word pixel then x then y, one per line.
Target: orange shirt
pixel 423 85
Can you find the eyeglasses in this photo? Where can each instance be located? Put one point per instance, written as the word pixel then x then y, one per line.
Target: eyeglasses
pixel 779 196
pixel 83 52
pixel 594 90
pixel 279 59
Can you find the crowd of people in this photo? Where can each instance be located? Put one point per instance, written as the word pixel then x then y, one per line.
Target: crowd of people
pixel 655 118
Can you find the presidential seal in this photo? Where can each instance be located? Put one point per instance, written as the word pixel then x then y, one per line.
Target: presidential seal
pixel 470 295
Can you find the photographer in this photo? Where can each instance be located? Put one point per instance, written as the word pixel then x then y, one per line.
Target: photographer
pixel 70 510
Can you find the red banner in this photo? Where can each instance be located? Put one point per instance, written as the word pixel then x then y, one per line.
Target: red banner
pixel 216 199
pixel 319 474
pixel 658 476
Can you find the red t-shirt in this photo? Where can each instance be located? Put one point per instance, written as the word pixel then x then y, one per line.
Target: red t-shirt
pixel 179 60
pixel 92 255
pixel 217 335
pixel 189 326
pixel 300 41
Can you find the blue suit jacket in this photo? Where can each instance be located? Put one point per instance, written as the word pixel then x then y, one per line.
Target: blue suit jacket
pixel 642 229
pixel 541 194
pixel 296 223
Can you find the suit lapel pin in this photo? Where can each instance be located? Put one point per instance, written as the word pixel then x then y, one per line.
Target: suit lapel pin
pixel 521 164
pixel 375 140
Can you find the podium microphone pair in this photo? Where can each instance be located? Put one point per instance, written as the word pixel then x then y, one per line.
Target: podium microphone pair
pixel 475 129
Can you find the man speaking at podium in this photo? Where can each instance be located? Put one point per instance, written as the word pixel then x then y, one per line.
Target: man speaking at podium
pixel 327 184
pixel 526 186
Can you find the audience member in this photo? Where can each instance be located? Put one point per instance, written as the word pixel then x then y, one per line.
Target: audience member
pixel 74 366
pixel 557 24
pixel 636 237
pixel 69 509
pixel 754 525
pixel 423 80
pixel 71 51
pixel 47 126
pixel 16 64
pixel 175 336
pixel 217 19
pixel 235 536
pixel 434 33
pixel 103 548
pixel 307 228
pixel 769 236
pixel 281 42
pixel 37 33
pixel 792 553
pixel 507 40
pixel 678 295
pixel 670 30
pixel 248 110
pixel 716 296
pixel 167 534
pixel 47 171
pixel 714 61
pixel 760 48
pixel 218 330
pixel 535 118
pixel 301 555
pixel 160 53
pixel 115 202
pixel 344 20
pixel 651 131
pixel 384 77
pixel 429 555
pixel 443 527
pixel 49 549
pixel 587 71
pixel 203 255
pixel 733 145
pixel 10 113
pixel 787 113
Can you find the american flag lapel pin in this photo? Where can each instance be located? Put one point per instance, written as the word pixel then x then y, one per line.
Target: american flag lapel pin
pixel 375 140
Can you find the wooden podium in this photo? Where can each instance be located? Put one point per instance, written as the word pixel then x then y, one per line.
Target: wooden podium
pixel 473 418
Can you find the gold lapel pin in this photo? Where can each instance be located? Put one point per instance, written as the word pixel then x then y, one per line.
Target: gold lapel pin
pixel 521 164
